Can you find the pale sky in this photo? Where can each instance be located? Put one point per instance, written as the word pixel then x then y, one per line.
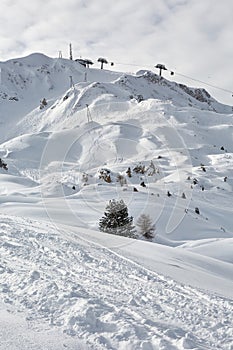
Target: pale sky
pixel 191 37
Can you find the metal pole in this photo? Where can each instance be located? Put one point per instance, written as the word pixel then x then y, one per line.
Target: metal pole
pixel 89 119
pixel 71 54
pixel 71 82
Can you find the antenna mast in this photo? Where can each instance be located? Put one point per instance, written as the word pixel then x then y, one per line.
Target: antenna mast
pixel 71 54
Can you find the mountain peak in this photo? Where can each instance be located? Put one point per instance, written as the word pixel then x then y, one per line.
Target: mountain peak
pixel 28 80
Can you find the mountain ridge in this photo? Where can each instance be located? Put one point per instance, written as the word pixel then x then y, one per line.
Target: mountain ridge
pixel 51 77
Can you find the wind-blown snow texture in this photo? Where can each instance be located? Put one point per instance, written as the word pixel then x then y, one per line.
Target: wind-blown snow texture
pixel 64 284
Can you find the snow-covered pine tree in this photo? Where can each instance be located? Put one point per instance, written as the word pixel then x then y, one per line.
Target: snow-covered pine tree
pixel 146 228
pixel 116 220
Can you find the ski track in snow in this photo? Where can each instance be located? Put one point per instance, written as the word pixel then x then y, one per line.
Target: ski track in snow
pixel 101 298
pixel 59 290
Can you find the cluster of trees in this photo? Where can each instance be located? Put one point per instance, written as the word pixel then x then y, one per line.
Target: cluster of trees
pixel 116 220
pixel 139 169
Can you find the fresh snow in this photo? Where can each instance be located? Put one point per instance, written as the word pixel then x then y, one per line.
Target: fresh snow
pixel 64 284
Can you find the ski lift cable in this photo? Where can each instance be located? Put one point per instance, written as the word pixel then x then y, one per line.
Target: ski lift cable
pixel 203 82
pixel 182 75
pixel 131 64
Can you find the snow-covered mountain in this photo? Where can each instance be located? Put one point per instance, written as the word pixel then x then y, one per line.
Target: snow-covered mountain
pixel 63 127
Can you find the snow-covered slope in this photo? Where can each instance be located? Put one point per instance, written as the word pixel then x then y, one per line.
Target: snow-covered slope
pixel 56 269
pixel 26 81
pixel 104 299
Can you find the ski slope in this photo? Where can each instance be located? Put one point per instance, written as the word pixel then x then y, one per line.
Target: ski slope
pixel 64 284
pixel 102 297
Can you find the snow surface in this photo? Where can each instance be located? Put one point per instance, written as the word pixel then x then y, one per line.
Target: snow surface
pixel 64 284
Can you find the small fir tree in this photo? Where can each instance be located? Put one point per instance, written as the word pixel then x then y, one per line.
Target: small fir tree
pixel 116 220
pixel 3 164
pixel 197 211
pixel 146 227
pixel 85 179
pixel 43 103
pixel 128 172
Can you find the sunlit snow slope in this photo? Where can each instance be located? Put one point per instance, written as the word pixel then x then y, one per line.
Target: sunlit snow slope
pixel 63 278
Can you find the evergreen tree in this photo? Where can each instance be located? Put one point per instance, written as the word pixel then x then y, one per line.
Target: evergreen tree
pixel 128 172
pixel 116 220
pixel 43 103
pixel 3 164
pixel 146 227
pixel 197 211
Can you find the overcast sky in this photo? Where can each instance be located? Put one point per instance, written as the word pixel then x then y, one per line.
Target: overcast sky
pixel 191 37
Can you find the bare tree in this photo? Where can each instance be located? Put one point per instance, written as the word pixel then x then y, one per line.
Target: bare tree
pixel 146 227
pixel 152 170
pixel 121 179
